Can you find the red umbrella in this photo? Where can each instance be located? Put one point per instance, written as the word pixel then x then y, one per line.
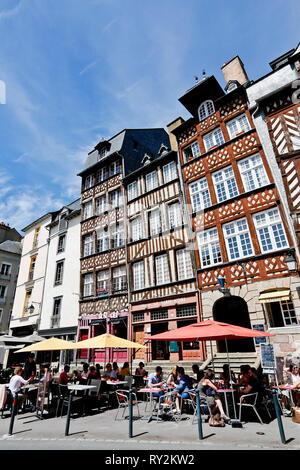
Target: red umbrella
pixel 209 330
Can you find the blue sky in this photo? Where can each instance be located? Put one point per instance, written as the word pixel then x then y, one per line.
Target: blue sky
pixel 76 71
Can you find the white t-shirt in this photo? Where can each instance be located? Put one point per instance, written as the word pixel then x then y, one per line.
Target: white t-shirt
pixel 15 383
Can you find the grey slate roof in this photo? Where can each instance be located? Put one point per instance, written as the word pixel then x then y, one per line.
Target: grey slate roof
pixel 11 247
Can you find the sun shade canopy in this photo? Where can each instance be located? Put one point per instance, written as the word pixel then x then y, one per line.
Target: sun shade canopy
pixel 50 344
pixel 107 341
pixel 275 295
pixel 209 330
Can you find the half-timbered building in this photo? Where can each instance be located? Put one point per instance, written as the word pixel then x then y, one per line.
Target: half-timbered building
pixel 104 287
pixel 275 103
pixel 239 224
pixel 163 286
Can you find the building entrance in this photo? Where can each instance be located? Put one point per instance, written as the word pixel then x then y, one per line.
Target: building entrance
pixel 160 349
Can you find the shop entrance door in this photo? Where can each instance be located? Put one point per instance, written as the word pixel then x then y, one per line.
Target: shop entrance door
pixel 160 349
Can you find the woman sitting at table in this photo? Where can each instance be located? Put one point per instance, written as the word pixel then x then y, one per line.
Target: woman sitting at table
pixel 209 396
pixel 140 370
pixel 109 373
pixel 84 374
pixel 173 377
pixel 116 368
pixel 225 376
pixel 125 370
pixel 92 374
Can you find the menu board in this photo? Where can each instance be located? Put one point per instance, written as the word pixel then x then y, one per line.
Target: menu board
pixel 268 359
pixel 259 327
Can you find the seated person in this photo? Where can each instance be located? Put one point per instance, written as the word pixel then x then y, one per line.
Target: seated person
pixel 208 395
pixel 254 385
pixel 16 383
pixel 173 377
pixel 185 384
pixel 140 370
pixel 98 371
pixel 225 376
pixel 125 370
pixel 109 373
pixel 155 380
pixel 199 373
pixel 243 377
pixel 76 376
pixel 92 373
pixel 116 368
pixel 84 373
pixel 64 377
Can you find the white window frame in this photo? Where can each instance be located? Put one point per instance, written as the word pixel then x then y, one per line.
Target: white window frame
pixel 100 205
pixel 102 239
pixel 87 210
pixel 101 175
pixel 191 151
pixel 9 269
pixel 115 198
pixel 88 245
pixel 253 172
pixel 184 264
pixel 114 168
pixel 88 285
pixel 59 272
pixel 88 183
pixel 225 184
pixel 170 172
pixel 132 190
pixel 119 278
pixel 136 228
pixel 213 138
pixel 241 233
pixel 151 180
pixel 138 275
pixel 162 269
pixel 117 235
pixel 209 248
pixel 238 125
pixel 206 109
pixel 175 215
pixel 102 280
pixel 4 290
pixel 200 194
pixel 270 230
pixel 155 225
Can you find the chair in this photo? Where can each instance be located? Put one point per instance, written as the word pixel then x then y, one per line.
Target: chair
pixel 6 399
pixel 123 402
pixel 249 400
pixel 189 401
pixel 166 404
pixel 129 380
pixel 93 396
pixel 63 398
pixel 204 408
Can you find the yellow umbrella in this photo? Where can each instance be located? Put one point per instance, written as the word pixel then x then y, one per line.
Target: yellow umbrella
pixel 50 344
pixel 106 341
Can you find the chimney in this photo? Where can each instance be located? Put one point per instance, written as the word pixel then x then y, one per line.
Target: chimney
pixel 234 71
pixel 173 125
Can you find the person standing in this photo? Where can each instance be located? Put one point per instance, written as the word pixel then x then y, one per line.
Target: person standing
pixel 29 368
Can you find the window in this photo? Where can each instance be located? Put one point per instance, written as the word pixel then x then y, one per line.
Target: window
pixel 138 316
pixel 102 241
pixel 159 314
pixel 55 320
pixel 184 264
pixel 87 210
pixel 119 278
pixel 138 275
pixel 151 181
pixel 88 285
pixel 238 125
pixel 253 172
pixel 27 303
pixel 281 314
pixel 1 314
pixel 162 269
pixel 132 190
pixel 102 282
pixel 186 311
pixel 209 247
pixel 102 153
pixel 237 239
pixel 101 175
pixel 155 222
pixel 170 172
pixel 175 216
pixel 225 184
pixel 59 273
pixel 115 198
pixel 114 168
pixel 61 243
pixel 100 207
pixel 2 293
pixel 270 230
pixel 88 245
pixel 117 236
pixel 63 224
pixel 191 151
pixel 136 229
pixel 36 238
pixel 31 268
pixel 214 138
pixel 5 270
pixel 206 109
pixel 200 195
pixel 89 180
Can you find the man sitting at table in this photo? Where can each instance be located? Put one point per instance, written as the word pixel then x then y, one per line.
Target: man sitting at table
pixel 155 380
pixel 109 373
pixel 254 385
pixel 185 384
pixel 64 377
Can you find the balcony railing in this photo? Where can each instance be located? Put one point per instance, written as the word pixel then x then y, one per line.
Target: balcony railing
pixel 5 277
pixel 55 321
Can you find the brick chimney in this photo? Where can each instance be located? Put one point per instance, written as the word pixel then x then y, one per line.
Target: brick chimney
pixel 173 142
pixel 234 70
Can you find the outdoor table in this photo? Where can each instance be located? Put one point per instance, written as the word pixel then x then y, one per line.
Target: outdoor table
pixel 289 388
pixel 151 391
pixel 120 382
pixel 75 388
pixel 225 391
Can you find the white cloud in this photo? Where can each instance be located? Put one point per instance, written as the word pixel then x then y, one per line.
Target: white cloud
pixel 10 13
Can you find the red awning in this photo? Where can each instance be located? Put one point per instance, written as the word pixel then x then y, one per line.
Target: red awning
pixel 209 330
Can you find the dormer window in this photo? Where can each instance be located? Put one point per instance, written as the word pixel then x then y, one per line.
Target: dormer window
pixel 102 153
pixel 206 109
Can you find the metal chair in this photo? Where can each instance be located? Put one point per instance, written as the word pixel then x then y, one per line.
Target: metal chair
pixel 244 402
pixel 129 381
pixel 167 404
pixel 204 408
pixel 63 398
pixel 123 402
pixel 93 395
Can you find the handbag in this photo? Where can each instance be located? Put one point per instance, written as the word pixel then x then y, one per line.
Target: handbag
pixel 216 421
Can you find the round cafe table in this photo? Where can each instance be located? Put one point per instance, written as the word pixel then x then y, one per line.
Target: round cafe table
pixel 151 391
pixel 225 391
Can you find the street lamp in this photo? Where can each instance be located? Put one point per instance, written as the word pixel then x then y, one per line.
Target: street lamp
pixel 222 281
pixel 291 262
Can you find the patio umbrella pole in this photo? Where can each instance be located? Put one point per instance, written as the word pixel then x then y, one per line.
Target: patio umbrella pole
pixel 212 357
pixel 231 385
